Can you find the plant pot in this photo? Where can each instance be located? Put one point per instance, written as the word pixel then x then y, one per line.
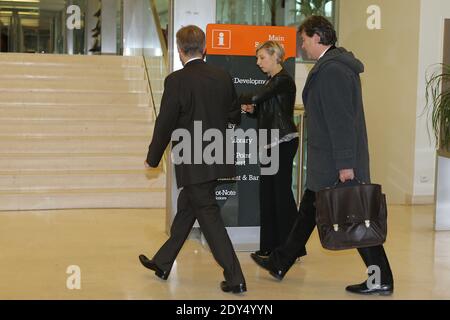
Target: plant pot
pixel 442 192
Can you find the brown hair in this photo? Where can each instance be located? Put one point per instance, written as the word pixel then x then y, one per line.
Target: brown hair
pixel 272 47
pixel 191 40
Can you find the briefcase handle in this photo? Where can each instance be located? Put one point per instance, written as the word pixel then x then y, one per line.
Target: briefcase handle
pixel 338 181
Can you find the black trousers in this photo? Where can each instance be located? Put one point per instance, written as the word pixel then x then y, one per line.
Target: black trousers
pixel 284 257
pixel 198 202
pixel 277 204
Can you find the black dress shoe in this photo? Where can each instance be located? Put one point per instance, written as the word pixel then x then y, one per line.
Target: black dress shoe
pixel 263 253
pixel 150 264
pixel 362 288
pixel 239 288
pixel 264 262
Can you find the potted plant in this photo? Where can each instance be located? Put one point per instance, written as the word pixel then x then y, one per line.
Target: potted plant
pixel 438 106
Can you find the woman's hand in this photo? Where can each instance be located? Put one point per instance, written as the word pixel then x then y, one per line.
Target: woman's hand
pixel 250 108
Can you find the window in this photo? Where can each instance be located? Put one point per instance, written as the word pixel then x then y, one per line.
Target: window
pixel 274 13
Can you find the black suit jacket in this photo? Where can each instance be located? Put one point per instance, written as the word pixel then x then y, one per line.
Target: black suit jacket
pixel 198 92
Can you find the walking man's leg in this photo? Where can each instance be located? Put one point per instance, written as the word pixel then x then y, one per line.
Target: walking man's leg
pixel 282 258
pixel 207 212
pixel 181 227
pixel 375 258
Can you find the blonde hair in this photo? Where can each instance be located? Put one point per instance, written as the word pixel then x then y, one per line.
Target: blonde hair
pixel 272 47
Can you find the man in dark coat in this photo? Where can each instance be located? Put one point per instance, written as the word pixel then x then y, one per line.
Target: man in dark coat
pixel 196 98
pixel 337 146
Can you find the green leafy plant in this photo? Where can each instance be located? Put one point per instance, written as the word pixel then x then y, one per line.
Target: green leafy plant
pixel 438 105
pixel 312 7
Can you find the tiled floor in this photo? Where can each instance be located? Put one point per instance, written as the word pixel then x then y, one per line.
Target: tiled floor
pixel 37 247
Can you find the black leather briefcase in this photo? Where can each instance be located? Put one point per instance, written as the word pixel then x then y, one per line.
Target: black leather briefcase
pixel 351 216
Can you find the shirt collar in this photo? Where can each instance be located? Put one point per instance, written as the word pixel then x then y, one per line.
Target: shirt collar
pixel 196 58
pixel 323 53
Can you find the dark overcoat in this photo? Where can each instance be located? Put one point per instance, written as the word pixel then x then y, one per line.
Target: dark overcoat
pixel 335 122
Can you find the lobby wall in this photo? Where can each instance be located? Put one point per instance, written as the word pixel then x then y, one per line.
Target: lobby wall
pixel 391 56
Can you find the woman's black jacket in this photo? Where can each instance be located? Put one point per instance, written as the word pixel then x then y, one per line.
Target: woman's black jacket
pixel 274 104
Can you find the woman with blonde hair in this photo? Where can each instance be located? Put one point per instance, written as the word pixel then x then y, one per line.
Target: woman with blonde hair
pixel 273 107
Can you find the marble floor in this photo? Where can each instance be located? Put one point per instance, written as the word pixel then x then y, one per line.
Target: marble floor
pixel 37 249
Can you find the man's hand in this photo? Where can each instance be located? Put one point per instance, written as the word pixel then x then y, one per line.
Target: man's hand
pixel 147 166
pixel 250 108
pixel 346 174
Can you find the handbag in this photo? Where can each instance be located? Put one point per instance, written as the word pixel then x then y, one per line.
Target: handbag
pixel 351 216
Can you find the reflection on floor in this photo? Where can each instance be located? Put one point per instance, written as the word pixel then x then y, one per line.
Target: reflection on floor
pixel 37 247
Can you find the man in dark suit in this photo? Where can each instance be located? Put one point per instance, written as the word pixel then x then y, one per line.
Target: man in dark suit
pixel 337 146
pixel 197 94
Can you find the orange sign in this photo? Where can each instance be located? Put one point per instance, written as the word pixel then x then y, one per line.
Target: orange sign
pixel 242 40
